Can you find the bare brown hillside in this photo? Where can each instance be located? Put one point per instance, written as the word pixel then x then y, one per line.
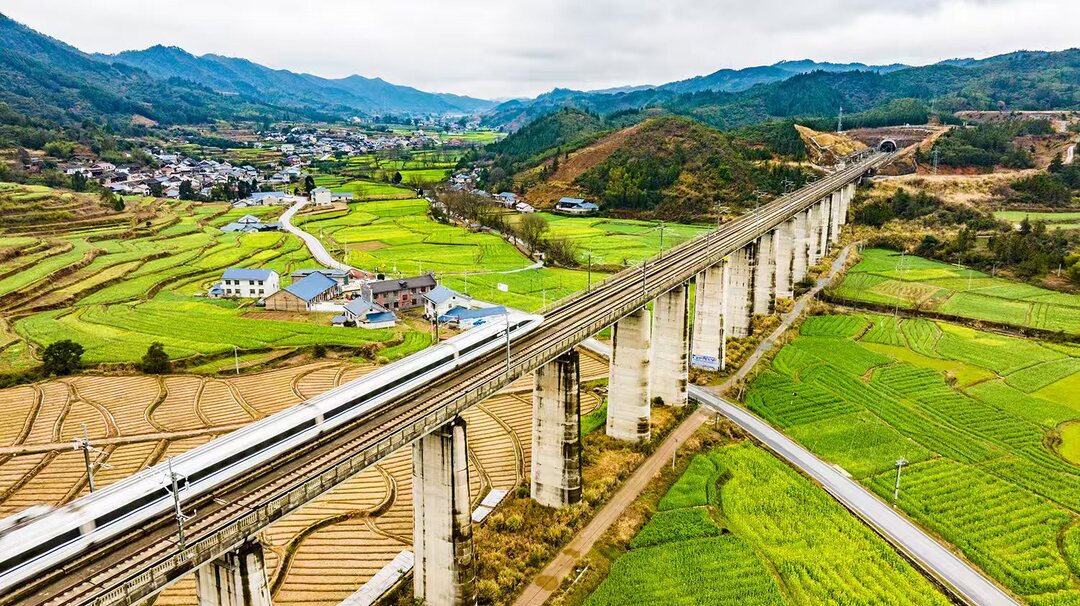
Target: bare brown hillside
pixel 561 183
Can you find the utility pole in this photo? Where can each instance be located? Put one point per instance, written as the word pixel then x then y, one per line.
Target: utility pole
pixel 174 480
pixel 936 155
pixel 84 445
pixel 236 358
pixel 896 311
pixel 589 286
pixel 506 318
pixel 643 292
pixel 661 239
pixel 896 490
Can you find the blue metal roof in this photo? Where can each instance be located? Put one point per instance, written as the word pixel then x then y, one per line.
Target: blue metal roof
pixel 311 286
pixel 441 294
pixel 386 316
pixel 464 313
pixel 239 273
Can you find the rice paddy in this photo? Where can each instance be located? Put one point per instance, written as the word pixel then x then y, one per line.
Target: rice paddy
pixel 318 555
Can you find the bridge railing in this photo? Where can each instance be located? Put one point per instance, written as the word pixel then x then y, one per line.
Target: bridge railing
pixel 230 536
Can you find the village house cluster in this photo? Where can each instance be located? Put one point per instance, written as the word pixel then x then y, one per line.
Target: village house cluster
pixel 358 298
pixel 166 177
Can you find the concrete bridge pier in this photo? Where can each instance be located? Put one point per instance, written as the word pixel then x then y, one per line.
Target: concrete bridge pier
pixel 444 573
pixel 706 348
pixel 783 241
pixel 237 578
pixel 800 254
pixel 738 279
pixel 824 220
pixel 670 353
pixel 764 268
pixel 813 233
pixel 556 432
pixel 849 195
pixel 629 391
pixel 836 205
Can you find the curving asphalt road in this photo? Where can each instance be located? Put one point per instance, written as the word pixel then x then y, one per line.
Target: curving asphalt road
pixel 314 245
pixel 963 578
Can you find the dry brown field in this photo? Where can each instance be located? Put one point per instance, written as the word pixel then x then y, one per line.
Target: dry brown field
pixel 320 554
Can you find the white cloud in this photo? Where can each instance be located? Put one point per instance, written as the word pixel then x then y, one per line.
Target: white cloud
pixel 498 48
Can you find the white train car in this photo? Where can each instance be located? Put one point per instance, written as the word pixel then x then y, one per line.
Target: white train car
pixel 43 540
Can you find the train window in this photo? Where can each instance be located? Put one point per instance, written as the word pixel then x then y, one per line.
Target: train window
pixel 478 344
pixel 39 549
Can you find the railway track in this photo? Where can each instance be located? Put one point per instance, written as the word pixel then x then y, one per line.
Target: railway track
pixel 106 572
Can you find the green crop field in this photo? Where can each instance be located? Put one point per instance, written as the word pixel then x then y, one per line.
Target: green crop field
pixel 397 237
pixel 115 290
pixel 984 421
pixel 741 527
pixel 887 277
pixel 619 241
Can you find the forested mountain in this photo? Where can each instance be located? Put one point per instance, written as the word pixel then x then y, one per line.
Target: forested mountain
pixel 1020 80
pixel 354 94
pixel 735 80
pixel 44 79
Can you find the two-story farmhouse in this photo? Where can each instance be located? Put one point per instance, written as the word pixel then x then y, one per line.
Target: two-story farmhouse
pixel 441 300
pixel 247 283
pixel 404 293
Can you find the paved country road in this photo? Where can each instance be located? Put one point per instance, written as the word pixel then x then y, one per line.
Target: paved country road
pixel 313 244
pixel 904 535
pixel 934 557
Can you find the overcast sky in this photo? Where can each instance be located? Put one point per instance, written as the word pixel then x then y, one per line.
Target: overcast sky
pixel 505 48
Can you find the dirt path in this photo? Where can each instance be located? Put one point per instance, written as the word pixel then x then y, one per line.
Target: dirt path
pixel 548 580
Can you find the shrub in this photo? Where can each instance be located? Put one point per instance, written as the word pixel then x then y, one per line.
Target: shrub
pixel 514 522
pixel 156 361
pixel 62 357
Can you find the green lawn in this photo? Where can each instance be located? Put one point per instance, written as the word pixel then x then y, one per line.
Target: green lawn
pixel 740 527
pixel 1063 220
pixel 887 277
pixel 973 413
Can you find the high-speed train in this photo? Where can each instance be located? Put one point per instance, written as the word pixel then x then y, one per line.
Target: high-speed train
pixel 42 540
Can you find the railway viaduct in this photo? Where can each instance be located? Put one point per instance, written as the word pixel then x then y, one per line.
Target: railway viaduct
pixel 738 270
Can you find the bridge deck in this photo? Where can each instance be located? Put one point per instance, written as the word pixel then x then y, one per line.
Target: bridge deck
pixel 137 566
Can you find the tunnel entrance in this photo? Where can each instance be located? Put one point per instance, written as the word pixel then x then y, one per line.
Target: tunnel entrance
pixel 887 146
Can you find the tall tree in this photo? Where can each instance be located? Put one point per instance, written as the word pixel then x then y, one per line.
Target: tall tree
pixel 62 357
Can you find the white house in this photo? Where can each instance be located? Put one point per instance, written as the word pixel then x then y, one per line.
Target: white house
pixel 248 283
pixel 322 196
pixel 366 314
pixel 441 299
pixel 575 206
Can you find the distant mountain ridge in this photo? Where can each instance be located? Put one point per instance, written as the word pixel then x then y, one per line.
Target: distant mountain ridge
pixel 241 76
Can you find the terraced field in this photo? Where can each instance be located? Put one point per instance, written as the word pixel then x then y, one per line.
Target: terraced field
pixel 982 420
pixel 399 238
pixel 742 528
pixel 885 277
pixel 117 282
pixel 319 555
